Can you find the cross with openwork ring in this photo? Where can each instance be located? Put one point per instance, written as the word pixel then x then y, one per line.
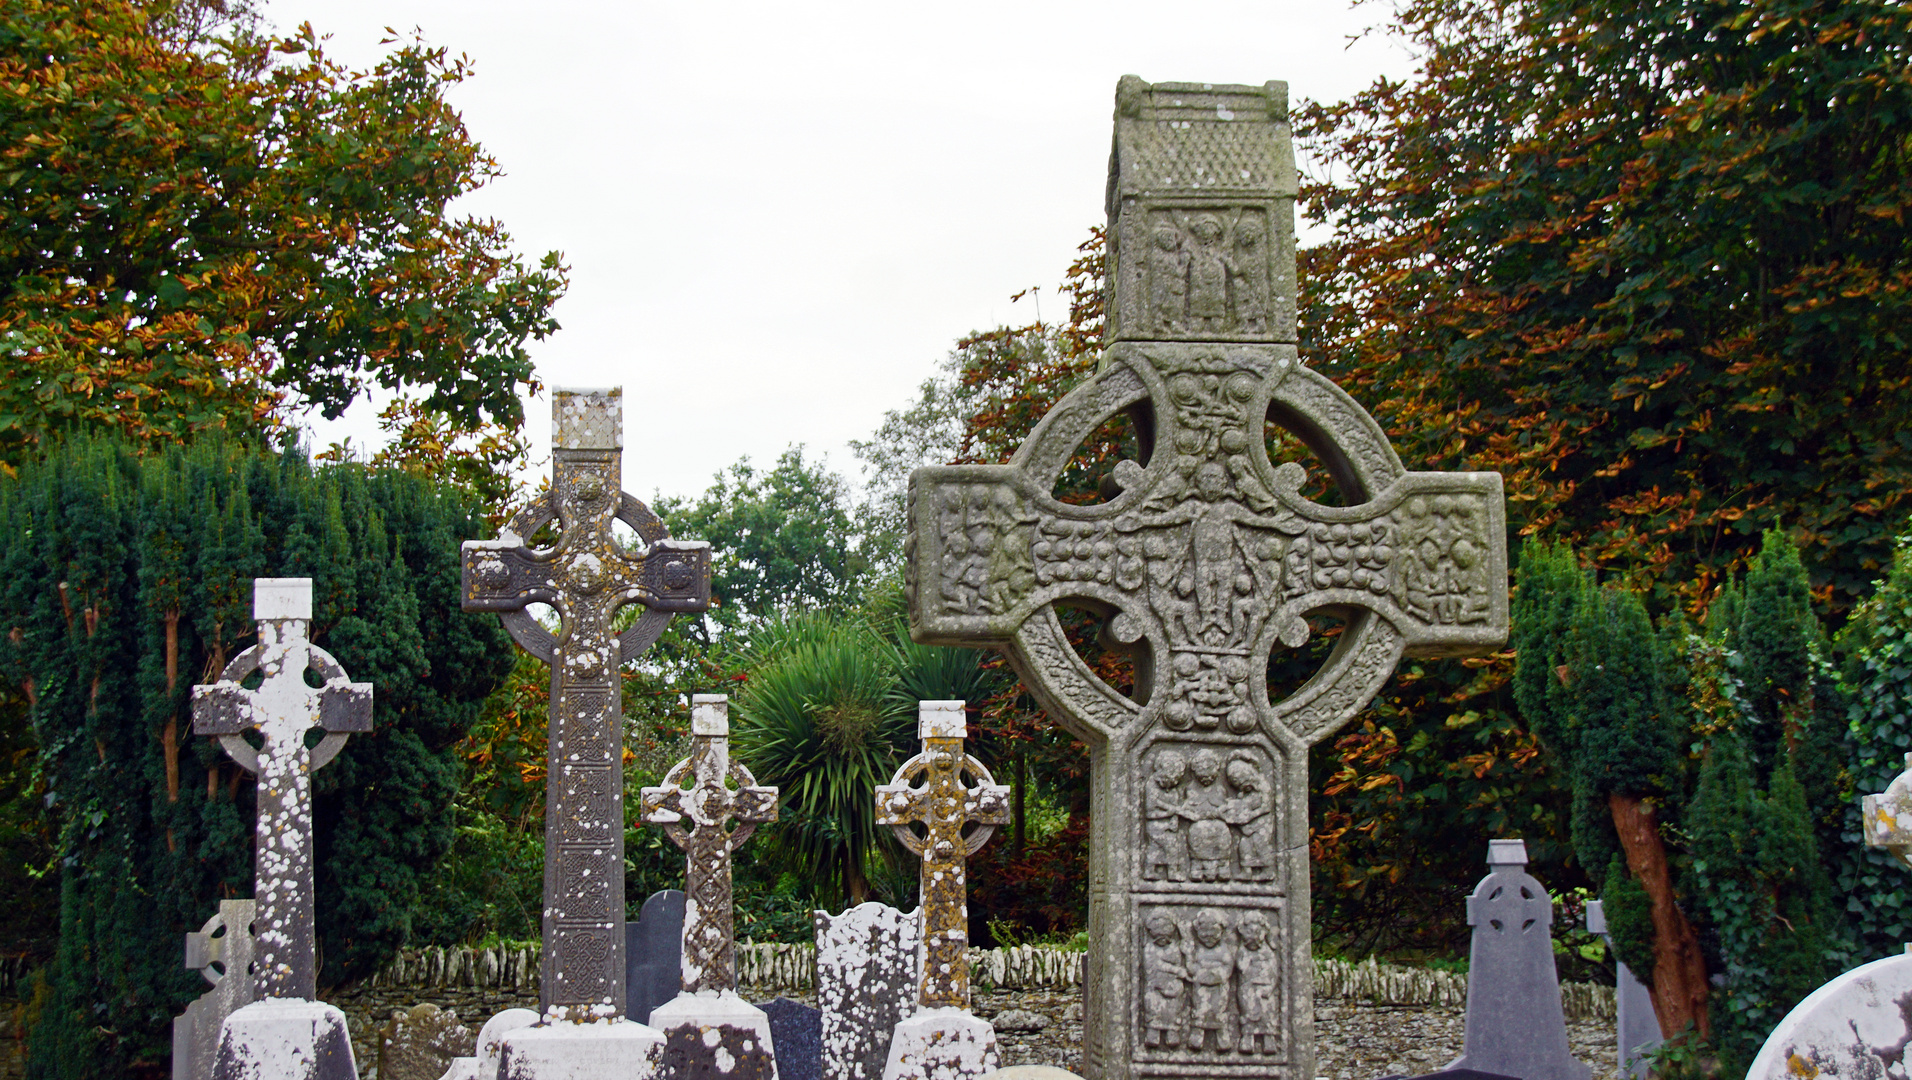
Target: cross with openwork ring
pixel 1204 556
pixel 588 575
pixel 282 710
pixel 928 790
pixel 698 790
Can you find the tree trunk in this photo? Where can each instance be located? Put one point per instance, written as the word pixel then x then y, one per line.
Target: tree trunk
pixel 853 881
pixel 169 738
pixel 1679 972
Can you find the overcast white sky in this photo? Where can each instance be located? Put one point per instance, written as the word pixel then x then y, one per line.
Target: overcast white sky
pixel 779 216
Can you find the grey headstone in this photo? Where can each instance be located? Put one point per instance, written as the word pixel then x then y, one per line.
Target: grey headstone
pixel 1515 1025
pixel 654 954
pixel 281 1038
pixel 221 951
pixel 419 1044
pixel 1207 558
pixel 1637 1026
pixel 796 1030
pixel 867 977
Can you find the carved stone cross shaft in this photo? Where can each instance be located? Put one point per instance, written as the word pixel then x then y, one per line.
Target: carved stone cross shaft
pixel 587 575
pixel 699 790
pixel 282 709
pixel 1203 557
pixel 928 790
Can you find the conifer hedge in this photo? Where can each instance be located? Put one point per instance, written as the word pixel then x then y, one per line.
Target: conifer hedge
pixel 126 579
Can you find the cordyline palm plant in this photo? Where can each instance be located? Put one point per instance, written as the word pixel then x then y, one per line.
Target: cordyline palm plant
pixel 827 714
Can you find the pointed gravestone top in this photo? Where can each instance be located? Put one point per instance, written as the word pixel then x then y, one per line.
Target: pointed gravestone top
pixel 1207 556
pixel 1515 1024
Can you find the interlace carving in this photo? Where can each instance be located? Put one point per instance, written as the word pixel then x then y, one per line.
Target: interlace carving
pixel 928 790
pixel 709 791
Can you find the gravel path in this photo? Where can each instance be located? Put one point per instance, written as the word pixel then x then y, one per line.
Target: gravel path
pixel 1353 1041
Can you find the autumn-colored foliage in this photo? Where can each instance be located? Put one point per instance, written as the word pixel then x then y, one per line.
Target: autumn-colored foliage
pixel 1648 260
pixel 210 234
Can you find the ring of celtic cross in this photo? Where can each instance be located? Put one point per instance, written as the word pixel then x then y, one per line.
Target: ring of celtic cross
pixel 922 767
pixel 247 662
pixel 525 629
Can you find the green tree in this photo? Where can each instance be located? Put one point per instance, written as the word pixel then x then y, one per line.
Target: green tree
pixel 126 579
pixel 193 236
pixel 1876 677
pixel 783 540
pixel 1648 260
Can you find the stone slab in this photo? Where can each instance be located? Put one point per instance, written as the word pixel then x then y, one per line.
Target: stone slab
pixel 285 1039
pixel 1853 1026
pixel 714 1035
pixel 867 975
pixel 615 1049
pixel 1515 1025
pixel 1636 1025
pixel 654 955
pixel 796 1030
pixel 942 1044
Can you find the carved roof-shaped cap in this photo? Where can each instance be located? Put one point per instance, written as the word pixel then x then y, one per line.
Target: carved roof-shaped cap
pixel 941 720
pixel 1201 138
pixel 587 417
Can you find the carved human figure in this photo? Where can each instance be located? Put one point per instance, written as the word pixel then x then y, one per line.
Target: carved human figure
pixel 1210 963
pixel 1166 855
pixel 1168 278
pixel 1211 844
pixel 1210 267
pixel 1248 811
pixel 1165 970
pixel 1251 277
pixel 1257 978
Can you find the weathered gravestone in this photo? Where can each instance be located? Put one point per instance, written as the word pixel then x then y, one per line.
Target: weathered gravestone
pixel 221 951
pixel 587 576
pixel 709 1031
pixel 796 1030
pixel 285 1033
pixel 1205 556
pixel 422 1043
pixel 488 1049
pixel 1860 1023
pixel 942 1038
pixel 654 954
pixel 868 969
pixel 1515 1023
pixel 1637 1027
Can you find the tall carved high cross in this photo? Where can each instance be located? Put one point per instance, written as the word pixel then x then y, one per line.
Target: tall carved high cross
pixel 698 790
pixel 1205 557
pixel 587 575
pixel 282 709
pixel 928 790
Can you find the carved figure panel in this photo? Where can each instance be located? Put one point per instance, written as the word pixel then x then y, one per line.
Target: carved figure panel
pixel 1211 983
pixel 1208 813
pixel 1207 270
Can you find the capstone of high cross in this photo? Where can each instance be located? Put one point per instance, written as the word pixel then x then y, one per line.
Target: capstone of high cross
pixel 928 790
pixel 695 805
pixel 282 709
pixel 587 575
pixel 1205 556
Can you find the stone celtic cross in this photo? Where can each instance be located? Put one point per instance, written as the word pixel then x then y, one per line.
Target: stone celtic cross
pixel 709 791
pixel 587 575
pixel 282 709
pixel 928 789
pixel 1204 556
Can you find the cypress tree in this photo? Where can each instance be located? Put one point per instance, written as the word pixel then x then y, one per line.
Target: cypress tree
pixel 1876 676
pixel 129 579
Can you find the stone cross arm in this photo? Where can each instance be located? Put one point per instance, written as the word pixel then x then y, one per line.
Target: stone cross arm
pixel 505 575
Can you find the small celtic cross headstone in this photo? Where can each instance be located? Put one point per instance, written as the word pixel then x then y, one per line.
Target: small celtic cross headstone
pixel 1515 1023
pixel 695 805
pixel 282 709
pixel 587 575
pixel 1205 556
pixel 928 790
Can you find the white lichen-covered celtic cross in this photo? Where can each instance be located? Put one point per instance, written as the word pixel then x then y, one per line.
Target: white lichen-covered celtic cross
pixel 695 805
pixel 282 708
pixel 587 575
pixel 928 791
pixel 1202 559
